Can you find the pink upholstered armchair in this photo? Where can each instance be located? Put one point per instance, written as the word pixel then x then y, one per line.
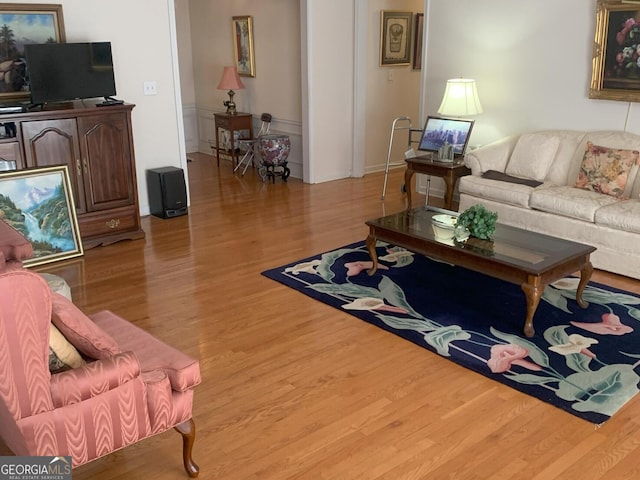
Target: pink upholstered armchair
pixel 14 247
pixel 129 386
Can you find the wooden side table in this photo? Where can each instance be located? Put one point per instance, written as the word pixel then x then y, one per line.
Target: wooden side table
pixel 239 121
pixel 449 172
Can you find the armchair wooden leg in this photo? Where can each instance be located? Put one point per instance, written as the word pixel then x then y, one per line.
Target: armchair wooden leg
pixel 188 431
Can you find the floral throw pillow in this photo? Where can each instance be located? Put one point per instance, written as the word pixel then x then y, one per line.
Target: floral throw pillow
pixel 606 170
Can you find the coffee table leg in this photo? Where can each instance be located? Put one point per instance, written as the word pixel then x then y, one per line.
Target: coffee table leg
pixel 408 175
pixel 371 247
pixel 533 292
pixel 585 275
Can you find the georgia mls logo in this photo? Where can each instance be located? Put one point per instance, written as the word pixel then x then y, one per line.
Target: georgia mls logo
pixel 35 468
pixel 60 465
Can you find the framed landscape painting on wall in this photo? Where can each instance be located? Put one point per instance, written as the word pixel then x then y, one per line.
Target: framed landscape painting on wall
pixel 616 65
pixel 395 38
pixel 20 24
pixel 39 204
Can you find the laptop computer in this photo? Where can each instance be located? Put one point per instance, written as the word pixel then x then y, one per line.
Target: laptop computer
pixel 439 130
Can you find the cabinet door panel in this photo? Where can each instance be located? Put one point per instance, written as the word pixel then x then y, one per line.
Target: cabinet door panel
pixel 10 158
pixel 55 142
pixel 108 173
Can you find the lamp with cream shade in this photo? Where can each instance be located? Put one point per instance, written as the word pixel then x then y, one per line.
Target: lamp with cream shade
pixel 230 81
pixel 460 98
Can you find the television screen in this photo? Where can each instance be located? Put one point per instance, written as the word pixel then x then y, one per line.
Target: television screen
pixel 67 71
pixel 438 131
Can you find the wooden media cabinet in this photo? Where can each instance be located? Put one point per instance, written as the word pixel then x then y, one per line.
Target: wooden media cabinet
pixel 96 144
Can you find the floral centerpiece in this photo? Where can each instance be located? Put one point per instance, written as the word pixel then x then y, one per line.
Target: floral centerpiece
pixel 480 222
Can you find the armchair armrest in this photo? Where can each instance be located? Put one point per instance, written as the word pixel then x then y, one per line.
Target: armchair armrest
pixel 92 379
pixel 493 156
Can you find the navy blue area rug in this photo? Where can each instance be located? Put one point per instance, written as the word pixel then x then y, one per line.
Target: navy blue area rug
pixel 584 361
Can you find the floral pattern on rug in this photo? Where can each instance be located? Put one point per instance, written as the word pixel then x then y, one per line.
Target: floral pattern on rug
pixel 579 360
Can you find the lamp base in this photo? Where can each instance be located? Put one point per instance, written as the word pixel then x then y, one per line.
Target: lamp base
pixel 230 104
pixel 231 108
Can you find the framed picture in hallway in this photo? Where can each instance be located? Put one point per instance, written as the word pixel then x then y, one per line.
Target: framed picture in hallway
pixel 616 55
pixel 395 38
pixel 39 204
pixel 243 46
pixel 20 24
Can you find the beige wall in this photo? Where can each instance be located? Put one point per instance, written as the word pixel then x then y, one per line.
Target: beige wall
pixel 140 33
pixel 185 56
pixel 276 33
pixel 276 85
pixel 187 87
pixel 532 66
pixel 391 91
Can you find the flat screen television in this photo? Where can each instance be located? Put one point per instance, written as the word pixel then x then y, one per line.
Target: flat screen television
pixel 438 131
pixel 61 72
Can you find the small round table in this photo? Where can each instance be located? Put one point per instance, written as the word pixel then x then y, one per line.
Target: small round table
pixel 274 151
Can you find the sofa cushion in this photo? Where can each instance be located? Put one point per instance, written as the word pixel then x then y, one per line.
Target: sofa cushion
pixel 610 138
pixel 493 156
pixel 533 155
pixel 562 164
pixel 511 193
pixel 623 215
pixel 569 202
pixel 606 170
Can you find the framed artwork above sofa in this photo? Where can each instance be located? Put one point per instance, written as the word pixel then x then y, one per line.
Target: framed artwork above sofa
pixel 616 54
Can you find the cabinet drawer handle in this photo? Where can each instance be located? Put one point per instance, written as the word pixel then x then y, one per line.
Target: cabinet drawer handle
pixel 86 169
pixel 113 223
pixel 78 168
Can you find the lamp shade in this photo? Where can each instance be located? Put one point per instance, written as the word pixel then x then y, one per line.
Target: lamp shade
pixel 230 79
pixel 460 98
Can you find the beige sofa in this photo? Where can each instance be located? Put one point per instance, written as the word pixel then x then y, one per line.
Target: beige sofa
pixel 603 214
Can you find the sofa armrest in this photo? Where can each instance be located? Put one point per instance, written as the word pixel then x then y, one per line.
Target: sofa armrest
pixel 92 379
pixel 493 156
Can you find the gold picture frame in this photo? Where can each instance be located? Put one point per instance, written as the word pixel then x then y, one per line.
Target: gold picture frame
pixel 395 38
pixel 25 23
pixel 39 203
pixel 243 45
pixel 616 57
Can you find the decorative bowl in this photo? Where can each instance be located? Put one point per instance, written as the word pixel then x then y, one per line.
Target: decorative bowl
pixel 444 226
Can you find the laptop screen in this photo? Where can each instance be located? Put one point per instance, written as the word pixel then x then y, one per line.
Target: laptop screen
pixel 438 131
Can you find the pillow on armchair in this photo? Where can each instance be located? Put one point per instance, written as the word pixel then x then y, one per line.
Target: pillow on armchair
pixel 62 355
pixel 83 333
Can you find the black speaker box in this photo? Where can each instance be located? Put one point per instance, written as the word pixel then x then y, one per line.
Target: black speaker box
pixel 167 192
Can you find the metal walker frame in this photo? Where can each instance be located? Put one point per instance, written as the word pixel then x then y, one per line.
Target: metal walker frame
pixel 405 124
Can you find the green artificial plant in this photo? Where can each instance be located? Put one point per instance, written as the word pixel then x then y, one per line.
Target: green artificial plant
pixel 480 222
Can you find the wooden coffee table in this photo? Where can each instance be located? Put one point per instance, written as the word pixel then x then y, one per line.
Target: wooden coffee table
pixel 529 259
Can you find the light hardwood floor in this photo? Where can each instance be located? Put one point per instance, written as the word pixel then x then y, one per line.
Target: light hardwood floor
pixel 294 389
